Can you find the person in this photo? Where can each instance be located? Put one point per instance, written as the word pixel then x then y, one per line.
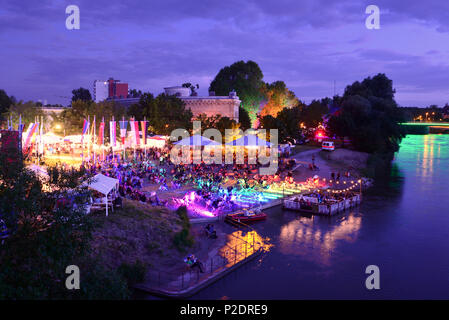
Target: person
pixel 211 233
pixel 193 262
pixel 118 202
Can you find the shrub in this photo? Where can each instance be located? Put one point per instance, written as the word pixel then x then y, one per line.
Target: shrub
pixel 133 273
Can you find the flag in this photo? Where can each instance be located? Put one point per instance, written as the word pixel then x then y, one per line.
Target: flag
pixel 135 131
pixel 123 127
pixel 144 132
pixel 101 133
pixel 41 138
pixel 112 131
pixel 85 129
pixel 29 134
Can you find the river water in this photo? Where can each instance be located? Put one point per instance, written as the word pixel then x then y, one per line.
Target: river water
pixel 402 227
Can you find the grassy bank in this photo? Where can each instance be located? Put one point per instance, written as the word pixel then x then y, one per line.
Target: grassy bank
pixel 140 238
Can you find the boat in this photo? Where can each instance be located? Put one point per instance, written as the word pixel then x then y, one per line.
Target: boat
pixel 247 216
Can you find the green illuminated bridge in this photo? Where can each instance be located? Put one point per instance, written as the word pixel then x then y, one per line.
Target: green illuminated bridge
pixel 426 127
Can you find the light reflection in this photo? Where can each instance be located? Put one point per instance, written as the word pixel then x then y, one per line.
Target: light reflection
pixel 304 237
pixel 242 244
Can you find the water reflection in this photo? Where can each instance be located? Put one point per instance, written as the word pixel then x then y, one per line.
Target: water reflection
pixel 242 244
pixel 307 237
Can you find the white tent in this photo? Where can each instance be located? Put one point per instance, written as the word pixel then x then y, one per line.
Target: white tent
pixel 103 184
pixel 250 140
pixel 197 140
pixel 76 138
pixel 50 137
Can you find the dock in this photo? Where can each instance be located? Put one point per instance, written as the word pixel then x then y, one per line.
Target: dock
pixel 237 252
pixel 310 205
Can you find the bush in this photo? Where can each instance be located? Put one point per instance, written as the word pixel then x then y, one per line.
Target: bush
pixel 133 273
pixel 183 239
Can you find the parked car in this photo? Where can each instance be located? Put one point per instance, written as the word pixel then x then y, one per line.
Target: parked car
pixel 328 146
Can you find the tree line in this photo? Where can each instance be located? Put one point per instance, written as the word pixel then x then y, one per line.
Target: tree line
pixel 366 113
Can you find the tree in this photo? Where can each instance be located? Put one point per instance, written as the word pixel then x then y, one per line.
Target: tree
pixel 291 118
pixel 81 94
pixel 164 113
pixel 133 93
pixel 277 97
pixel 46 235
pixel 5 103
pixel 29 111
pixel 314 112
pixel 369 116
pixel 378 86
pixel 72 118
pixel 217 122
pixel 191 87
pixel 246 79
pixel 244 120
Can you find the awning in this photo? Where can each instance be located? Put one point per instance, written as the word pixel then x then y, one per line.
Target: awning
pixel 103 184
pixel 250 140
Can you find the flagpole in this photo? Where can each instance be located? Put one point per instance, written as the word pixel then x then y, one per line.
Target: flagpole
pixel 135 142
pixel 111 138
pixel 145 133
pixel 123 140
pixel 95 143
pixel 102 141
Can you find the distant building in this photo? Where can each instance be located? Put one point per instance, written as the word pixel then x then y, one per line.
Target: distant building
pixel 226 106
pixel 110 89
pixel 101 90
pixel 117 89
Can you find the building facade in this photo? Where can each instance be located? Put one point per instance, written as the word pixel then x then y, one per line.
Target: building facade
pixel 226 106
pixel 101 89
pixel 110 89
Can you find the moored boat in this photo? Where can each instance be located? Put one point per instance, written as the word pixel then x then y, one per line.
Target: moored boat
pixel 247 216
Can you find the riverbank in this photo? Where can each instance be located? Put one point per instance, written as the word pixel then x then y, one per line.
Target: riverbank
pixel 327 162
pixel 144 235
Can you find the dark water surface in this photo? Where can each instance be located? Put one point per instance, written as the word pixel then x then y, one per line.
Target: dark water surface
pixel 402 226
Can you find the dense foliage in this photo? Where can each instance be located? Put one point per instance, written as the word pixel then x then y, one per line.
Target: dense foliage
pixel 369 116
pixel 277 97
pixel 164 113
pixel 71 119
pixel 81 94
pixel 46 235
pixel 246 79
pixel 5 103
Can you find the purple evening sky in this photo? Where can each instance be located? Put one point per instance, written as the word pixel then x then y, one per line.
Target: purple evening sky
pixel 154 44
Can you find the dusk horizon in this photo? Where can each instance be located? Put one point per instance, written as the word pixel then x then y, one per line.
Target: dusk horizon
pixel 310 45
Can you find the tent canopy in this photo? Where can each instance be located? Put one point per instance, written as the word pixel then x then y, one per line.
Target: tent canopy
pixel 197 140
pixel 103 184
pixel 250 140
pixel 50 137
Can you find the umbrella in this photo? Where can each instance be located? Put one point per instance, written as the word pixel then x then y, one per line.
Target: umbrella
pixel 197 140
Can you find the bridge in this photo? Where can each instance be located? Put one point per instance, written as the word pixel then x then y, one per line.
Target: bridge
pixel 426 127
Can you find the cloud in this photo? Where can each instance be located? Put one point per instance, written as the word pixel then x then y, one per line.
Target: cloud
pixel 308 44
